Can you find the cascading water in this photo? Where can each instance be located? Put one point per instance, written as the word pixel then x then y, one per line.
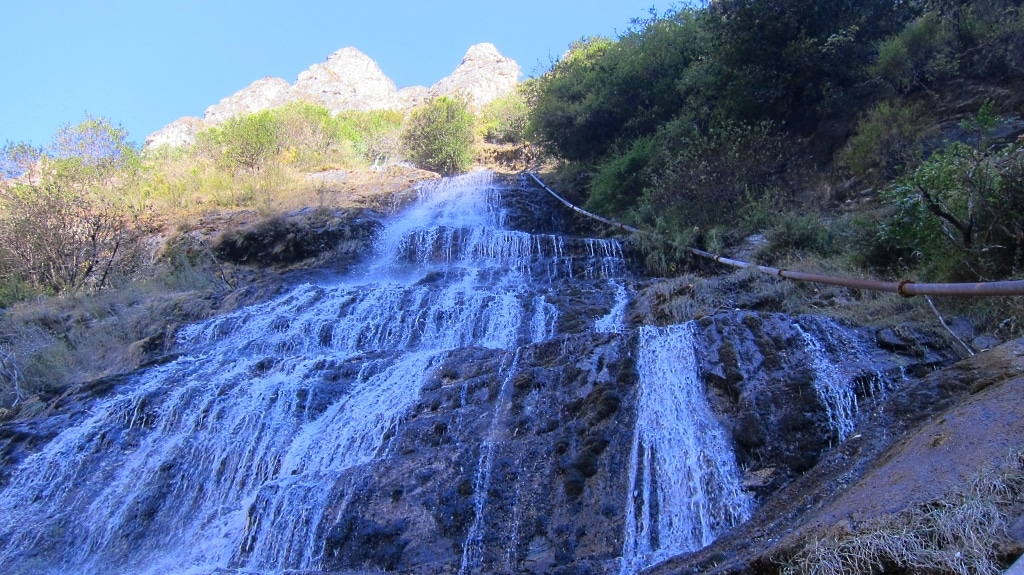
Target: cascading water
pixel 683 485
pixel 242 454
pixel 230 456
pixel 834 383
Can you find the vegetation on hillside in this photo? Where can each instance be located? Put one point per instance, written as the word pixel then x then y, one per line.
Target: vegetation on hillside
pixel 103 225
pixel 704 124
pixel 701 122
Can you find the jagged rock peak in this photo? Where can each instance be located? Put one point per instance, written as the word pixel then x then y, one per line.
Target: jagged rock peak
pixel 484 75
pixel 348 80
pixel 262 94
pixel 351 80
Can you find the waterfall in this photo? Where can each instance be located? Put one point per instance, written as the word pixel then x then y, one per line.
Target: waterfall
pixel 684 484
pixel 472 548
pixel 237 454
pixel 835 372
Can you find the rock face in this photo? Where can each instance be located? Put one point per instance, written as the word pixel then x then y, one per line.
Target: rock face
pixel 180 132
pixel 929 439
pixel 351 80
pixel 363 424
pixel 483 76
pixel 412 96
pixel 262 94
pixel 348 80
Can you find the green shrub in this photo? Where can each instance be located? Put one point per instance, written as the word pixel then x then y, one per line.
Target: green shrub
pixel 959 214
pixel 703 173
pixel 439 136
pixel 248 141
pixel 922 52
pixel 888 140
pixel 377 134
pixel 620 181
pixel 308 132
pixel 503 121
pixel 799 234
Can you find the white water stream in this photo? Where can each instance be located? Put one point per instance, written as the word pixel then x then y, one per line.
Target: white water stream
pixel 232 456
pixel 683 480
pixel 227 457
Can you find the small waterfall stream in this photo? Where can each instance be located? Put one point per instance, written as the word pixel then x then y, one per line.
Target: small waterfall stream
pixel 683 482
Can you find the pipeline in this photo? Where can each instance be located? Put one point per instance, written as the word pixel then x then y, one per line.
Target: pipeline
pixel 905 288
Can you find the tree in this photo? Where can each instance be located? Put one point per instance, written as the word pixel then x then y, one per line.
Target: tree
pixel 248 141
pixel 959 212
pixel 603 93
pixel 439 136
pixel 795 61
pixel 70 225
pixel 18 159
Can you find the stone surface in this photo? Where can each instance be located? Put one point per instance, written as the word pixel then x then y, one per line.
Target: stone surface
pixel 412 96
pixel 929 439
pixel 351 80
pixel 262 94
pixel 483 76
pixel 348 80
pixel 181 132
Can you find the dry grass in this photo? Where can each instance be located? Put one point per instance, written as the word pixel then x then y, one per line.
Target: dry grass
pixel 51 343
pixel 960 535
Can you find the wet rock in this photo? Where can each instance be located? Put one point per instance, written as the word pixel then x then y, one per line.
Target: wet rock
pixel 299 236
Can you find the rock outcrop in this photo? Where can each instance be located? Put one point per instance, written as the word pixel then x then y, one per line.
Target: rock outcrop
pixel 262 94
pixel 351 80
pixel 180 132
pixel 483 76
pixel 412 96
pixel 348 80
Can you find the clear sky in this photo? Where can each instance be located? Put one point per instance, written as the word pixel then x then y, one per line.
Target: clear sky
pixel 145 63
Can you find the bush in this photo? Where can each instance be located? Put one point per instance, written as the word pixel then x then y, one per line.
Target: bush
pixel 603 93
pixel 620 181
pixel 705 173
pixel 60 240
pixel 75 222
pixel 307 132
pixel 922 52
pixel 959 214
pixel 439 136
pixel 248 141
pixel 377 134
pixel 888 140
pixel 802 234
pixel 503 121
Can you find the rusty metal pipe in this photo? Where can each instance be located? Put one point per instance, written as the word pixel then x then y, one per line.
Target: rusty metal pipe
pixel 905 288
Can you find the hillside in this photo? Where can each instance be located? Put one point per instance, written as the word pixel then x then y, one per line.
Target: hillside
pixel 868 432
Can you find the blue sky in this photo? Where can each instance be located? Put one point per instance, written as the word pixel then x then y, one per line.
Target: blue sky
pixel 146 63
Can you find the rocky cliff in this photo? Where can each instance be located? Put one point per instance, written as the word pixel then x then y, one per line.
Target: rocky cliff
pixel 322 431
pixel 351 80
pixel 483 76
